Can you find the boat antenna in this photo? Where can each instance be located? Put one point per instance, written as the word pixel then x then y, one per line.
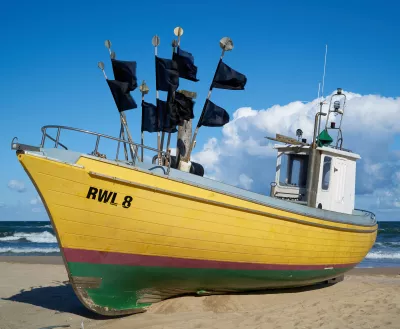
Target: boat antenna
pixel 322 94
pixel 323 77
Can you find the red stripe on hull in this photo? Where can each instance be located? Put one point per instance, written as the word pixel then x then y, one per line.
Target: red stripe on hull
pixel 115 258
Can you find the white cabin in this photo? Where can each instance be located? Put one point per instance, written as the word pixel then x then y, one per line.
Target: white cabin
pixel 335 171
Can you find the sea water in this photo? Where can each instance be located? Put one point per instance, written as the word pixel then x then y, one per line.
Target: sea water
pixel 38 239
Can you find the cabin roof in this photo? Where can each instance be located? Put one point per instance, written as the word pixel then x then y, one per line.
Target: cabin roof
pixel 323 149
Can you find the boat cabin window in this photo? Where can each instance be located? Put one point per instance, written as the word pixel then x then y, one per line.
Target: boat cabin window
pixel 326 173
pixel 293 170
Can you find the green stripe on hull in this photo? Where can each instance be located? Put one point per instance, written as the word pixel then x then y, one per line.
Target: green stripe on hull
pixel 125 287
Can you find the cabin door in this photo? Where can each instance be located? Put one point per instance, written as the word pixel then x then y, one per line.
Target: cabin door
pixel 339 184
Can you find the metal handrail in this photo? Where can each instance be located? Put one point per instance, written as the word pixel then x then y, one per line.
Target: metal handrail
pixel 367 212
pixel 51 138
pixel 45 135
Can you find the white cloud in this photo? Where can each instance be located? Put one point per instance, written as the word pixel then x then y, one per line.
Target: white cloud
pixel 36 209
pixel 16 185
pixel 245 181
pixel 36 201
pixel 244 157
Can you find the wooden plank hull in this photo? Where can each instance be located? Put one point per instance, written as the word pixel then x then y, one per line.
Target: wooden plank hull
pixel 130 238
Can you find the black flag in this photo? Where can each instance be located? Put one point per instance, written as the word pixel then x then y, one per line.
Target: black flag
pixel 125 71
pixel 149 117
pixel 165 123
pixel 180 109
pixel 228 78
pixel 122 97
pixel 167 75
pixel 213 116
pixel 186 67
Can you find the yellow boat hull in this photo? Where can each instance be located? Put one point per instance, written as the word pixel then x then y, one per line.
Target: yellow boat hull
pixel 130 237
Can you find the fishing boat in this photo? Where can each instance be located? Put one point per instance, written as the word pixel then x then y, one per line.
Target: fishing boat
pixel 132 233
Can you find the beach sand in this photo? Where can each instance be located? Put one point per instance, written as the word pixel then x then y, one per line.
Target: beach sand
pixel 34 293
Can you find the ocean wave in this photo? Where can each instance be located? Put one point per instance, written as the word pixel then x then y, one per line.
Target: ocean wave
pixel 388 244
pixel 43 237
pixel 389 230
pixel 383 255
pixel 28 250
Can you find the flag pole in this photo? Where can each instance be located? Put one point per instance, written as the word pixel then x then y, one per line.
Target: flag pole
pixel 144 90
pixel 156 41
pixel 121 132
pixel 124 122
pixel 225 47
pixel 122 136
pixel 178 31
pixel 169 134
pixel 226 44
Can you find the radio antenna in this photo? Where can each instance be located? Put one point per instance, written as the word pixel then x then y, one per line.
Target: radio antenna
pixel 323 77
pixel 321 102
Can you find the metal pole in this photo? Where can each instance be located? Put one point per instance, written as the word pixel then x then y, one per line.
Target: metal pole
pixel 204 107
pixel 173 94
pixel 123 122
pixel 123 137
pixel 142 137
pixel 312 180
pixel 133 148
pixel 323 85
pixel 157 97
pixel 43 138
pixel 119 143
pixel 168 141
pixel 58 137
pixel 323 78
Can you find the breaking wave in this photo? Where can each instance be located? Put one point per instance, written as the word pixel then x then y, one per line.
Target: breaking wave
pixel 42 237
pixel 383 255
pixel 21 251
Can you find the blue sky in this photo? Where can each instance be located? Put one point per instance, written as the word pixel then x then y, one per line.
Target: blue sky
pixel 50 52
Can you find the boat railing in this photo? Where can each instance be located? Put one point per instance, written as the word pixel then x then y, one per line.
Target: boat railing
pixel 45 135
pixel 366 213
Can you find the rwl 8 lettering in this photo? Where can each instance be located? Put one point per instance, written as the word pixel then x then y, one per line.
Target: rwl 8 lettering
pixel 109 197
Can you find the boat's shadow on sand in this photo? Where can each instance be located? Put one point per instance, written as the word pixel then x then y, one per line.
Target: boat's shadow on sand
pixel 62 299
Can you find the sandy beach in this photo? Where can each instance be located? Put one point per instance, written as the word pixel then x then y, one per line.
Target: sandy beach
pixel 34 293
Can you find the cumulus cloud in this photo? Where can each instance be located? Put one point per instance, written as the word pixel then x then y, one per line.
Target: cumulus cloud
pixel 244 157
pixel 16 185
pixel 36 201
pixel 245 181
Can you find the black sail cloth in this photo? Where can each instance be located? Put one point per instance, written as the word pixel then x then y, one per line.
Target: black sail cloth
pixel 125 71
pixel 149 117
pixel 122 97
pixel 228 78
pixel 180 109
pixel 167 75
pixel 213 116
pixel 186 68
pixel 165 123
pixel 156 118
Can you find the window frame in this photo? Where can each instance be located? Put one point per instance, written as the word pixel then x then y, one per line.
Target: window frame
pixel 302 170
pixel 323 171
